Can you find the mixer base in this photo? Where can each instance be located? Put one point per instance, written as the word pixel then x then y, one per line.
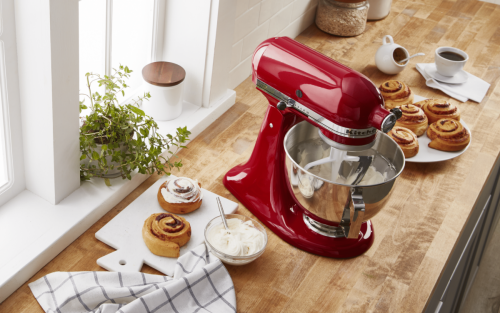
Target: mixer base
pixel 288 223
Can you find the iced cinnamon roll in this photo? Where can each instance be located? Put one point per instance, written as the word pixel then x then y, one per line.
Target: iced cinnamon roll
pixel 395 94
pixel 165 233
pixel 406 140
pixel 448 135
pixel 436 109
pixel 180 195
pixel 413 118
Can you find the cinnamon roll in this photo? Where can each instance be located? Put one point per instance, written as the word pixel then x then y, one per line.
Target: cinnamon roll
pixel 180 195
pixel 436 109
pixel 395 94
pixel 165 233
pixel 448 135
pixel 406 140
pixel 413 118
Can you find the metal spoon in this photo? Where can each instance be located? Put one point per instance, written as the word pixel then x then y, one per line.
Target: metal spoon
pixel 415 55
pixel 222 215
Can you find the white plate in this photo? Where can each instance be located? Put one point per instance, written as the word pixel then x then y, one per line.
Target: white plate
pixel 429 155
pixel 459 78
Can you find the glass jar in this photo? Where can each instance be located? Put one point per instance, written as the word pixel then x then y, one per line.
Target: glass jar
pixel 342 18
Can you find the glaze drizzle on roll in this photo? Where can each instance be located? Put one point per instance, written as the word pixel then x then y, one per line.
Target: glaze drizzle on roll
pixel 182 190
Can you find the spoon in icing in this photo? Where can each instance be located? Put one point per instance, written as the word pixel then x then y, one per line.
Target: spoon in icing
pixel 222 215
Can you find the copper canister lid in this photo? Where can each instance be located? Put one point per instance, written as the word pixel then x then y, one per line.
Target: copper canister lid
pixel 163 74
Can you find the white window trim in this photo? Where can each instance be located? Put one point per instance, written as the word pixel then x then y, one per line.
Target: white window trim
pixel 109 38
pixel 158 30
pixel 58 217
pixel 11 147
pixel 5 132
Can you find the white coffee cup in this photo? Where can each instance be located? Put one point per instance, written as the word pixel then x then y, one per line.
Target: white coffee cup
pixel 448 67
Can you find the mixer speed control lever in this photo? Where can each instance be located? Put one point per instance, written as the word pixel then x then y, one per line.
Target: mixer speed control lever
pixel 397 112
pixel 281 105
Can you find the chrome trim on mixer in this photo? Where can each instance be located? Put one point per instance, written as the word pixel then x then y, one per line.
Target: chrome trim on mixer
pixel 323 229
pixel 328 125
pixel 340 146
pixel 389 122
pixel 355 206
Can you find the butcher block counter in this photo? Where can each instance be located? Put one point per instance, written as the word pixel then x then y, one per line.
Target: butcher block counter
pixel 419 229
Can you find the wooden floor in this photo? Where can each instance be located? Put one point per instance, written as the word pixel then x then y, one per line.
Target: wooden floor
pixel 419 226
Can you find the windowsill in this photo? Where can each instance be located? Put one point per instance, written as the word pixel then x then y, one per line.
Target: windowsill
pixel 34 231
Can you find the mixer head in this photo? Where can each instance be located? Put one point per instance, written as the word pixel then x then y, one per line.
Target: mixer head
pixel 346 106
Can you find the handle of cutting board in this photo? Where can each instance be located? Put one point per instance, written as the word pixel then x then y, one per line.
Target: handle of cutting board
pixel 121 260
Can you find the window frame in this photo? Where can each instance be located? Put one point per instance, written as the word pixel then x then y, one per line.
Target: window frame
pixel 11 146
pixel 157 31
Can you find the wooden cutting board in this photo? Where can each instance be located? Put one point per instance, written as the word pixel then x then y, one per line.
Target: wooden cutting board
pixel 124 232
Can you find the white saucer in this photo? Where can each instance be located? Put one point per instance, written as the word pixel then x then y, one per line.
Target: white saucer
pixel 459 78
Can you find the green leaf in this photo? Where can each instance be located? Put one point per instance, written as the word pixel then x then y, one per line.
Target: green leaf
pixel 95 155
pixel 83 157
pixel 104 147
pixel 107 182
pixel 136 110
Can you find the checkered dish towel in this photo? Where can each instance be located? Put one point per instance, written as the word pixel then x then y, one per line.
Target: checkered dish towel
pixel 201 283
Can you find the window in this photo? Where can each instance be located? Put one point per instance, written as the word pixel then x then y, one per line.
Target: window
pixel 114 33
pixel 11 141
pixel 5 153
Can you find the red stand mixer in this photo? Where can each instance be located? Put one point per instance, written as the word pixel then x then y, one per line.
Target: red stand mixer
pixel 322 165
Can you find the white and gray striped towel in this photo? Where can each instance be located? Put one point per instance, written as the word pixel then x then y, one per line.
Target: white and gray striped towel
pixel 201 283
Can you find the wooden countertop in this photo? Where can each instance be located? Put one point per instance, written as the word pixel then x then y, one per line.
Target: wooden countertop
pixel 418 228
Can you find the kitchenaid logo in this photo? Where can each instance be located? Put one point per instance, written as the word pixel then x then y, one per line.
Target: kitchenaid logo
pixel 357 132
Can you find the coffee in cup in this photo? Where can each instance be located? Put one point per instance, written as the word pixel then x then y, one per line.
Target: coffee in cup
pixel 449 61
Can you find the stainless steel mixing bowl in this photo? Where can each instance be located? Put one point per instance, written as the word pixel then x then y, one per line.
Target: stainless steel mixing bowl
pixel 323 192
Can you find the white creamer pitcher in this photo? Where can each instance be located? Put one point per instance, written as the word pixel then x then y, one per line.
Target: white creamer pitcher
pixel 388 54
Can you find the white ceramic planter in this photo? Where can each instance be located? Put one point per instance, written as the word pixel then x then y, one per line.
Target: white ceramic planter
pixel 165 103
pixel 111 173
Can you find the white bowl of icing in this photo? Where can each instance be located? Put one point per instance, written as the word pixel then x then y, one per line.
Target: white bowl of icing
pixel 245 243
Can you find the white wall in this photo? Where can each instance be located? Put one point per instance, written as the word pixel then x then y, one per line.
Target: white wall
pixel 257 20
pixel 229 31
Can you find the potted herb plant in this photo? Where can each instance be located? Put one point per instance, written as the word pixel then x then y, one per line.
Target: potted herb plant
pixel 116 140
